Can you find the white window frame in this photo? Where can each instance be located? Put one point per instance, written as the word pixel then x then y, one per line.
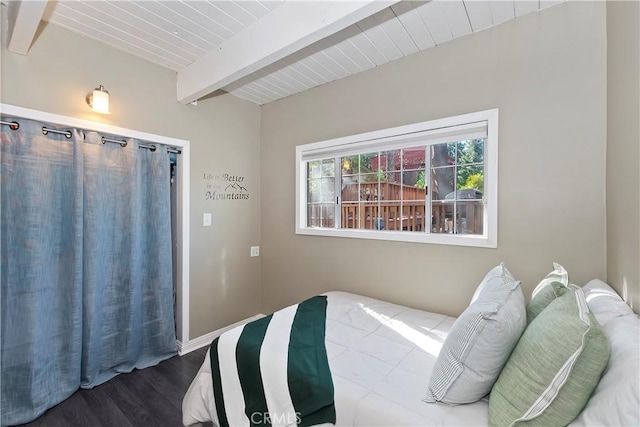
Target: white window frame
pixel 433 131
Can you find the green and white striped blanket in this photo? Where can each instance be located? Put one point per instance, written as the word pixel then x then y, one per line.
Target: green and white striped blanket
pixel 274 371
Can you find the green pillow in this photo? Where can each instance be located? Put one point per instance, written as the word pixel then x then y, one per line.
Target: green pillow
pixel 554 368
pixel 542 295
pixel 543 298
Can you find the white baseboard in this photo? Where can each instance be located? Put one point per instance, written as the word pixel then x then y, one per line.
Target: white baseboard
pixel 204 340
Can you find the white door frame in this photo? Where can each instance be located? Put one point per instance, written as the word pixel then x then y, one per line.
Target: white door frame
pixel 182 287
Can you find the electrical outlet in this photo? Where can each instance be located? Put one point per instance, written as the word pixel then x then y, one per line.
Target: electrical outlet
pixel 255 251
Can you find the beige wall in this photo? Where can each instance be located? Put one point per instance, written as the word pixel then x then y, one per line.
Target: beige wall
pixel 62 68
pixel 623 153
pixel 546 72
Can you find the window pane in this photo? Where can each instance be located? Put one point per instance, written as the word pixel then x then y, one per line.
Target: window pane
pixel 413 215
pixel 329 167
pixel 442 183
pixel 390 191
pixel 359 163
pixel 321 215
pixel 313 169
pixel 390 160
pixel 328 214
pixel 328 190
pixel 442 216
pixel 413 158
pixel 471 178
pixel 469 217
pixel 377 163
pixel 350 165
pixel 313 215
pixel 394 177
pixel 470 151
pixel 392 215
pixel 443 154
pixel 350 215
pixel 350 189
pixel 369 188
pixel 314 190
pixel 366 162
pixel 372 218
pixel 413 187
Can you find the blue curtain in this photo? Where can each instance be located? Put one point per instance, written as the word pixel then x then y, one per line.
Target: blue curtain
pixel 86 270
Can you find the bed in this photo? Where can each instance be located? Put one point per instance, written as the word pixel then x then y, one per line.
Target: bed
pixel 381 356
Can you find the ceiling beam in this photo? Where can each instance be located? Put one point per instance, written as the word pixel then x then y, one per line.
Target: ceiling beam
pixel 287 29
pixel 24 18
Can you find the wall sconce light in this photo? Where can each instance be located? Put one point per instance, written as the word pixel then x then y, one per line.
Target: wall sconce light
pixel 99 101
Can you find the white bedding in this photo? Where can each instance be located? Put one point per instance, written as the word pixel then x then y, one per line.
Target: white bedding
pixel 381 356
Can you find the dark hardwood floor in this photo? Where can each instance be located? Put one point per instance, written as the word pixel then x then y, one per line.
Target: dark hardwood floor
pixel 147 397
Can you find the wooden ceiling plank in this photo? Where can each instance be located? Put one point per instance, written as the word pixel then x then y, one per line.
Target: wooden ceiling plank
pixel 286 76
pixel 456 17
pixel 435 22
pixel 479 13
pixel 282 85
pixel 24 19
pixel 354 54
pixel 301 74
pixel 287 29
pixel 269 89
pixel 161 14
pixel 340 51
pixel 391 25
pixel 413 24
pixel 160 25
pixel 115 9
pixel 211 13
pixel 331 69
pixel 211 30
pixel 242 93
pixel 380 39
pixel 236 13
pixel 502 11
pixel 366 46
pixel 317 74
pixel 254 8
pixel 215 11
pixel 117 43
pixel 257 91
pixel 85 13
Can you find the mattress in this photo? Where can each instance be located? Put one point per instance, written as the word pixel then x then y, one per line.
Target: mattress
pixel 381 356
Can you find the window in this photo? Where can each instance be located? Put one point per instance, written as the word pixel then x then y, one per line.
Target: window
pixel 431 182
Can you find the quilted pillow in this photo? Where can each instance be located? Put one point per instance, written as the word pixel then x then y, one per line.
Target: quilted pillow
pixel 480 341
pixel 554 368
pixel 551 287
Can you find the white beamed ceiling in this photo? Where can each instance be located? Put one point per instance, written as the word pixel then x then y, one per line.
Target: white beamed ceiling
pixel 174 34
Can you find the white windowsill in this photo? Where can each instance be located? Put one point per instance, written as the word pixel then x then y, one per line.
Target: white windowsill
pixel 480 241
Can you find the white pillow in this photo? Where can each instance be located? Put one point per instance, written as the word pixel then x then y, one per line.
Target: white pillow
pixel 604 302
pixel 616 399
pixel 480 341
